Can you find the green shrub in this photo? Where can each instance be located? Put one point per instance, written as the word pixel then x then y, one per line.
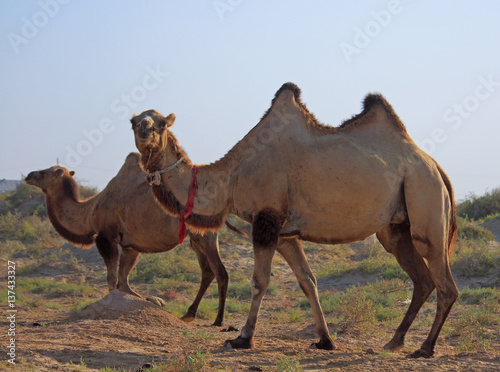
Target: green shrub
pixel 355 311
pixel 470 230
pixel 471 328
pixel 31 197
pixel 288 364
pixel 179 264
pixel 479 207
pixel 479 295
pixel 474 258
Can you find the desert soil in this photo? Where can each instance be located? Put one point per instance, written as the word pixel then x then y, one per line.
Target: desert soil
pixel 123 331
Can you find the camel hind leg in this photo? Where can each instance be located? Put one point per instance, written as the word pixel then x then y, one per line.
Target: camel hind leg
pixel 396 239
pixel 293 253
pixel 207 251
pixel 428 205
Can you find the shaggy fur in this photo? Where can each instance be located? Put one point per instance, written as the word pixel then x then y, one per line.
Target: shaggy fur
pixel 266 228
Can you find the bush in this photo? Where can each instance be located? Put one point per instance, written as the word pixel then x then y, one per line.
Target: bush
pixel 471 327
pixel 474 259
pixel 470 230
pixel 478 207
pixel 31 197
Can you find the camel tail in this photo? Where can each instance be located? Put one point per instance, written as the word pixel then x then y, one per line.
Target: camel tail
pixel 452 234
pixel 236 230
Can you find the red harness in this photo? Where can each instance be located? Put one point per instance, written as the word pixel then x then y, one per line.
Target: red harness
pixel 193 192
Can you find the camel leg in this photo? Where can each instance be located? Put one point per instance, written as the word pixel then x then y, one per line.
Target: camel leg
pixel 210 245
pixel 396 239
pixel 265 232
pixel 293 253
pixel 447 292
pixel 429 218
pixel 128 259
pixel 207 276
pixel 109 252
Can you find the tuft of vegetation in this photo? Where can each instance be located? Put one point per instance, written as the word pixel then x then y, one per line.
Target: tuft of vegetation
pixel 288 364
pixel 471 328
pixel 470 230
pixel 195 362
pixel 480 207
pixel 26 199
pixel 474 258
pixel 179 264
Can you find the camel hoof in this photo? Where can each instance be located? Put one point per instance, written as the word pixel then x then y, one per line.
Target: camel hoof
pixel 240 343
pixel 421 353
pixel 323 345
pixel 393 345
pixel 156 300
pixel 188 318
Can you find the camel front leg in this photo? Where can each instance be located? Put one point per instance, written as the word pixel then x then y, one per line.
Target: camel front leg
pixel 109 252
pixel 260 282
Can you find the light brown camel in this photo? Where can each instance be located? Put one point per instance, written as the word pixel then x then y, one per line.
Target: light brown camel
pixel 125 213
pixel 293 178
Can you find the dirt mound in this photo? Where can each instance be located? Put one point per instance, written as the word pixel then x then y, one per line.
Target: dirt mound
pixel 118 305
pixel 493 225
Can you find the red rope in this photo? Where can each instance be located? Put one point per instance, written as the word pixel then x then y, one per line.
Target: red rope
pixel 193 192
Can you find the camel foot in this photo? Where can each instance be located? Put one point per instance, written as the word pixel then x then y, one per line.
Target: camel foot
pixel 218 323
pixel 394 345
pixel 326 344
pixel 421 353
pixel 240 343
pixel 188 318
pixel 156 300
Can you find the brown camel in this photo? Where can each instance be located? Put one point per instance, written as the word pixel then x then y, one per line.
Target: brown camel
pixel 295 179
pixel 125 213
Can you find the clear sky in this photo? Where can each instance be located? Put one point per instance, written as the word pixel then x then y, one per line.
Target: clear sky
pixel 73 72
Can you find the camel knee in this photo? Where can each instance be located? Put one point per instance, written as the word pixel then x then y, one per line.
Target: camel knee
pixel 259 287
pixel 448 295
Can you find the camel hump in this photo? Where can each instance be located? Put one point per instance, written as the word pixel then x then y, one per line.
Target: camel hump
pixel 376 99
pixel 373 99
pixel 289 86
pixel 133 157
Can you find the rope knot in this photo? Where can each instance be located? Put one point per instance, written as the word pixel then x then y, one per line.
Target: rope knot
pixel 155 178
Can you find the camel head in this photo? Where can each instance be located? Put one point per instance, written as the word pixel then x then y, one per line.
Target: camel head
pixel 150 130
pixel 49 178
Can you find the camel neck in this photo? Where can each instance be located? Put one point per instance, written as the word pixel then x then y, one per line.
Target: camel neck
pixel 71 217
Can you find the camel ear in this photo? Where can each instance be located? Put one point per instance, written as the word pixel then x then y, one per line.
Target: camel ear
pixel 169 120
pixel 71 173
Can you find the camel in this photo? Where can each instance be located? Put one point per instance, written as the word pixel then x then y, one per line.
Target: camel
pixel 125 213
pixel 295 179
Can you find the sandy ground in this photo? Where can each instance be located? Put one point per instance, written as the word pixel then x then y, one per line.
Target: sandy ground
pixel 123 331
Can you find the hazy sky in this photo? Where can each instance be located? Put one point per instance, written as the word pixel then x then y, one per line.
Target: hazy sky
pixel 73 72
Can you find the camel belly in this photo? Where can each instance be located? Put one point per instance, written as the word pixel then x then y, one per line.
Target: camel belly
pixel 342 197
